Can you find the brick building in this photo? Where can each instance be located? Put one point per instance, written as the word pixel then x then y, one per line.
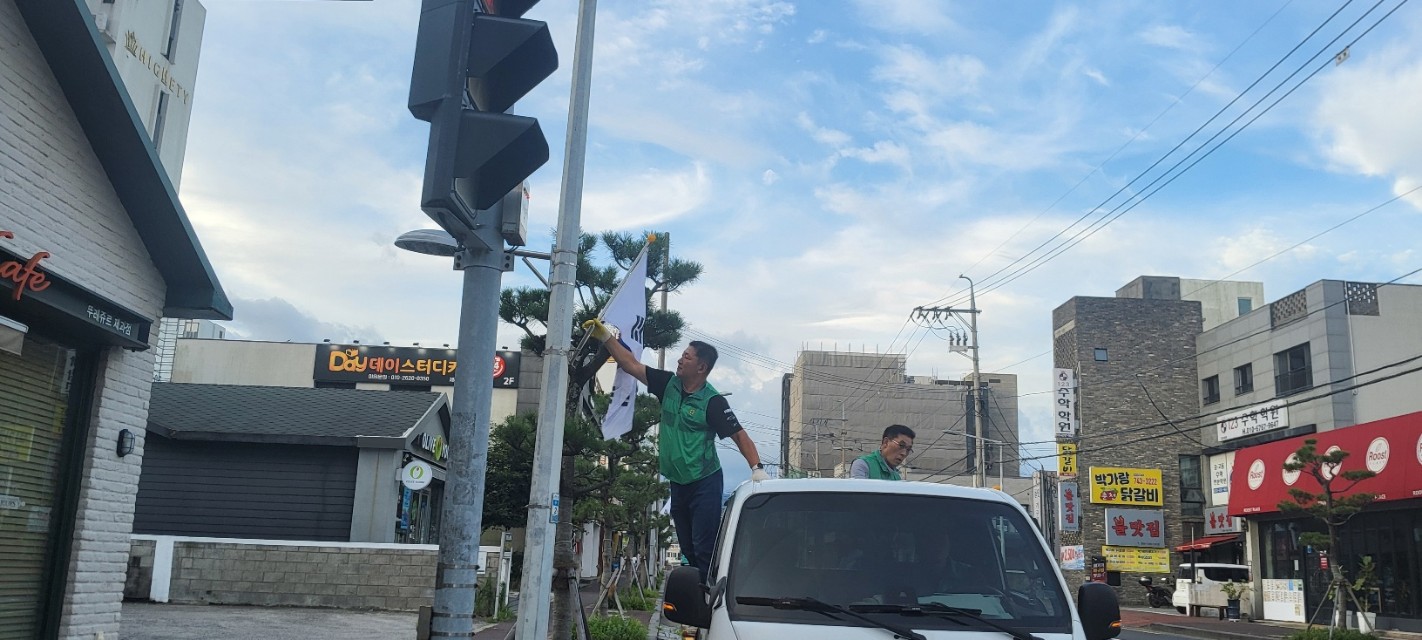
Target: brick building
pixel 97 247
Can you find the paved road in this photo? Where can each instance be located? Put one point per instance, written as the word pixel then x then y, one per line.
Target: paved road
pixel 1137 634
pixel 147 621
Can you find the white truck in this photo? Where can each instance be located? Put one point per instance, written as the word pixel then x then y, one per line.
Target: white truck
pixel 832 559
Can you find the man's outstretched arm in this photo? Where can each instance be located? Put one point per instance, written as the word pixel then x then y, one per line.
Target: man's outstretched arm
pixel 620 354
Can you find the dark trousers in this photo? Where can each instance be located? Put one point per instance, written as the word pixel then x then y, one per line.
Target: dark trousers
pixel 696 512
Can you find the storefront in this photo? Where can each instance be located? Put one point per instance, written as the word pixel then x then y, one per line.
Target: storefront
pixel 94 247
pixel 1293 576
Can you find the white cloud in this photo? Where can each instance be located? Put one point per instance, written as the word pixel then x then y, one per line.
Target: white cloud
pixel 1170 37
pixel 769 177
pixel 650 198
pixel 1095 74
pixel 1367 116
pixel 909 16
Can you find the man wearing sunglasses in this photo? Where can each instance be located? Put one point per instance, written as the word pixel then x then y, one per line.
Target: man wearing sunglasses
pixel 883 464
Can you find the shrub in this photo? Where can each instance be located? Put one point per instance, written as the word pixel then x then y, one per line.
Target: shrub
pixel 1321 633
pixel 638 599
pixel 485 597
pixel 616 628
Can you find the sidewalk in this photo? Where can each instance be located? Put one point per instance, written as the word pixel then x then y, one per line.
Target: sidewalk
pixel 1168 621
pixel 151 621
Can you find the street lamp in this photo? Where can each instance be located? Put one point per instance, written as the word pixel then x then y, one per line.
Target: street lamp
pixel 1000 444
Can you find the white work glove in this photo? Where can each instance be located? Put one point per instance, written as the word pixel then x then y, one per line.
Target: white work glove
pixel 759 475
pixel 599 330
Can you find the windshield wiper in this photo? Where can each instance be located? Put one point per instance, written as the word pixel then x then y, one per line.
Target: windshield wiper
pixel 943 609
pixel 811 604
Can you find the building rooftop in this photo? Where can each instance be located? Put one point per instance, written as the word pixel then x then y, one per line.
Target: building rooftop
pixel 276 414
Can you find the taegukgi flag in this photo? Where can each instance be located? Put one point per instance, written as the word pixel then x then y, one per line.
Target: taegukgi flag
pixel 628 312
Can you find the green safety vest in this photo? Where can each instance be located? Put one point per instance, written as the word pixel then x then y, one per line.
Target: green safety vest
pixel 686 443
pixel 879 468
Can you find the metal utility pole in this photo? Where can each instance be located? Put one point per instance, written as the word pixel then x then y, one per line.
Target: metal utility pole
pixel 977 407
pixel 535 597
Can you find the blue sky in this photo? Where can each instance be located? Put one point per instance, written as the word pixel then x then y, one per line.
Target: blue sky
pixel 831 164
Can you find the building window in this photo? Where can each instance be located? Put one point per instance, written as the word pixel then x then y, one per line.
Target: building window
pixel 1192 488
pixel 160 118
pixel 1243 379
pixel 1292 371
pixel 173 23
pixel 1101 354
pixel 1245 305
pixel 1211 389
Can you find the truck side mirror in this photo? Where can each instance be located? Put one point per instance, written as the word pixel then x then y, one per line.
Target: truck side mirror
pixel 685 601
pixel 1100 611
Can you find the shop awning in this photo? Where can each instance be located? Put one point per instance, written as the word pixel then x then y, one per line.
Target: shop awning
pixel 1200 544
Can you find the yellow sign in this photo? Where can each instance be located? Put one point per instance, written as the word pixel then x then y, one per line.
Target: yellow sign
pixel 1120 485
pixel 1135 559
pixel 1066 464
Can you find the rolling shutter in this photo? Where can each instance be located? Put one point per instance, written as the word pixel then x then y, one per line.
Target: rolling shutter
pixel 34 401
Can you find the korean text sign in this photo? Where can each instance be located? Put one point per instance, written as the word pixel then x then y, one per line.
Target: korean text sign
pixel 1068 507
pixel 1127 486
pixel 1135 527
pixel 1066 460
pixel 1064 403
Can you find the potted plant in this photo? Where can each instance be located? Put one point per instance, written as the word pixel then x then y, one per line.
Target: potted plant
pixel 1363 589
pixel 1233 592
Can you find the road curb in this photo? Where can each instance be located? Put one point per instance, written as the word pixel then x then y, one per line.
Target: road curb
pixel 655 622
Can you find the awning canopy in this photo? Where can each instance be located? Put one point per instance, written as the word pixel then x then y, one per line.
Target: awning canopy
pixel 1200 544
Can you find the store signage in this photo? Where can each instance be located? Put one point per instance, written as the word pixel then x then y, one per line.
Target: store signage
pixel 1066 460
pixel 1135 527
pixel 1136 559
pixel 1098 569
pixel 1270 416
pixel 1073 557
pixel 435 445
pixel 29 282
pixel 416 475
pixel 1391 448
pixel 1068 507
pixel 1283 600
pixel 404 365
pixel 1221 468
pixel 1123 485
pixel 1065 413
pixel 160 70
pixel 1218 520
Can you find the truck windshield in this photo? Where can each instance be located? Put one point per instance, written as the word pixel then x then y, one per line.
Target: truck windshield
pixel 851 549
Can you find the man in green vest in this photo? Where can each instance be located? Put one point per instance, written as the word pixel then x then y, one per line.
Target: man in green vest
pixel 694 414
pixel 883 464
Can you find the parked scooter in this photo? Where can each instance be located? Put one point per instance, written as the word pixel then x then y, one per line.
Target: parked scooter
pixel 1157 596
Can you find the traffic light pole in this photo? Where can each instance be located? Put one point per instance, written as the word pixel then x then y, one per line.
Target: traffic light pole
pixel 535 596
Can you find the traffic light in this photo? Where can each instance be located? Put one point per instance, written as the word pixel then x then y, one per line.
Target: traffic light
pixel 473 61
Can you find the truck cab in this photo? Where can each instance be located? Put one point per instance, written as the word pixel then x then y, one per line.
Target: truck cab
pixel 836 559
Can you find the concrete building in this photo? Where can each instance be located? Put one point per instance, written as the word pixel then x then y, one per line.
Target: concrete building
pixel 155 47
pixel 837 404
pixel 169 330
pixel 1220 300
pixel 93 222
pixel 1291 371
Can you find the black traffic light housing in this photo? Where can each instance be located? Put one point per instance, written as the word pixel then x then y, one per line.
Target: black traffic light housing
pixel 471 66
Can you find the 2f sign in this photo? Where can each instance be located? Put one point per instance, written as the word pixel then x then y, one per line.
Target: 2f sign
pixel 1064 404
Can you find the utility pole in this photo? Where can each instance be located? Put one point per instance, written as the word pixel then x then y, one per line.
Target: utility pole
pixel 535 596
pixel 977 406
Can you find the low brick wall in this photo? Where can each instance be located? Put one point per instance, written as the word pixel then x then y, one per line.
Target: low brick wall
pixel 277 573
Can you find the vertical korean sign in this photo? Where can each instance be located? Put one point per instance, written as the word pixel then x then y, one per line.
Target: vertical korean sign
pixel 1064 408
pixel 1066 460
pixel 1068 507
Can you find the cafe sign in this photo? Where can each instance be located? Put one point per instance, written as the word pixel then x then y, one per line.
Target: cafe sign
pixel 40 294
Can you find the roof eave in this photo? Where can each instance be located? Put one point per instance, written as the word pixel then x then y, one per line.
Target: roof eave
pixel 70 43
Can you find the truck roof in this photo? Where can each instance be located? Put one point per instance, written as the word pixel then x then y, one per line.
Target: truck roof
pixel 842 485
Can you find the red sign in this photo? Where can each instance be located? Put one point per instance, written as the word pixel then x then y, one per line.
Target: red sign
pixel 1391 448
pixel 26 275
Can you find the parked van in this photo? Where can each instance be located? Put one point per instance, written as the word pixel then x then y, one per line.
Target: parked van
pixel 1199 584
pixel 832 559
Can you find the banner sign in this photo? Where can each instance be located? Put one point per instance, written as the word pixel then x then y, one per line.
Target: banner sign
pixel 1073 557
pixel 403 365
pixel 1066 460
pixel 1135 527
pixel 1391 448
pixel 1068 507
pixel 1136 559
pixel 1065 411
pixel 1218 520
pixel 1259 418
pixel 1221 467
pixel 1122 485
